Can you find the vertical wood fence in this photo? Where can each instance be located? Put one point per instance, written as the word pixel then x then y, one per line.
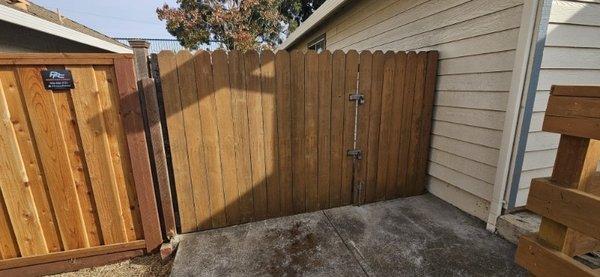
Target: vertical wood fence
pixel 569 201
pixel 258 135
pixel 74 170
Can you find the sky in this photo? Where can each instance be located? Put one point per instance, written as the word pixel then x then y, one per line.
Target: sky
pixel 115 18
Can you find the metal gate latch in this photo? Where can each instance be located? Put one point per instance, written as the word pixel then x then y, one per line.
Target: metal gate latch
pixel 359 98
pixel 356 153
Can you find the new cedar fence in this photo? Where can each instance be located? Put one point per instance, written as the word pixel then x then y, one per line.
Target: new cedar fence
pixel 569 201
pixel 258 135
pixel 74 170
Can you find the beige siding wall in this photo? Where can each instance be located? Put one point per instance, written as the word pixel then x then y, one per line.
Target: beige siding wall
pixel 571 57
pixel 477 41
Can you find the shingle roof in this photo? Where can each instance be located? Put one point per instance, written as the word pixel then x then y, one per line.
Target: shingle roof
pixel 48 15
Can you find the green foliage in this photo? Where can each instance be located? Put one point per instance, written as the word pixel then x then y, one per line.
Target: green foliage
pixel 237 24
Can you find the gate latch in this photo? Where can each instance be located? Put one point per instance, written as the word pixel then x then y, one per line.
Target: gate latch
pixel 356 153
pixel 359 98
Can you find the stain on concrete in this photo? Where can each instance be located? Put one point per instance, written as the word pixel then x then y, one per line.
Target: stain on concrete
pixel 417 236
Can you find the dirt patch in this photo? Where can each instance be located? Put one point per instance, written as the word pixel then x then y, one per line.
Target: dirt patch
pixel 150 265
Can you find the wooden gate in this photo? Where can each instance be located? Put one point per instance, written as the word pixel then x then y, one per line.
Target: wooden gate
pixel 74 169
pixel 258 135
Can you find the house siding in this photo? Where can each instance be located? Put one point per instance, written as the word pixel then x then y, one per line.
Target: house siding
pixel 477 42
pixel 571 57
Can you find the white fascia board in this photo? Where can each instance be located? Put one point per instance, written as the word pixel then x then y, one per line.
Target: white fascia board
pixel 317 17
pixel 32 22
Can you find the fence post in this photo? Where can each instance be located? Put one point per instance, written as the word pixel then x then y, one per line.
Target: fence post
pixel 140 57
pixel 157 154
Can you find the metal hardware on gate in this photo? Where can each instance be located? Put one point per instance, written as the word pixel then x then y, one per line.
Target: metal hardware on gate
pixel 355 153
pixel 359 98
pixel 358 193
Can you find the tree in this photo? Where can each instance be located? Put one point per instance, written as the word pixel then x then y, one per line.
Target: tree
pixel 237 24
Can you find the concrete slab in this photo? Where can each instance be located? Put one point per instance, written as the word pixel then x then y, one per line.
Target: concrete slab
pixel 301 244
pixel 422 236
pixel 417 236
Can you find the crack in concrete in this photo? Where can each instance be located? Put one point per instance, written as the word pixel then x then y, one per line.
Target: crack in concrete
pixel 360 260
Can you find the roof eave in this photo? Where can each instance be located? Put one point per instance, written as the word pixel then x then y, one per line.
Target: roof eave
pixel 32 22
pixel 322 13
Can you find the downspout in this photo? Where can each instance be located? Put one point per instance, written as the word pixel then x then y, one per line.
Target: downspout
pixel 529 103
pixel 534 25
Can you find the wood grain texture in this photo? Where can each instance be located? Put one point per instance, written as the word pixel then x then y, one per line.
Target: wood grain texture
pixel 311 129
pixel 133 125
pixel 416 126
pixel 573 208
pixel 269 112
pixel 194 138
pixel 428 101
pixel 46 126
pixel 374 116
pixel 362 136
pixel 92 128
pixel 109 101
pixel 543 261
pixel 409 95
pixel 256 133
pixel 338 102
pixel 385 125
pixel 391 189
pixel 152 111
pixel 8 242
pixel 208 121
pixel 17 195
pixel 284 130
pixel 297 85
pixel 351 86
pixel 223 100
pixel 324 74
pixel 29 153
pixel 177 139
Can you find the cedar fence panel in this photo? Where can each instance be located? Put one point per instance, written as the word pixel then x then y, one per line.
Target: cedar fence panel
pixel 258 135
pixel 73 164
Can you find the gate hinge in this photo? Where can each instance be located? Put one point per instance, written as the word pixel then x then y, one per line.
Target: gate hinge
pixel 359 98
pixel 356 153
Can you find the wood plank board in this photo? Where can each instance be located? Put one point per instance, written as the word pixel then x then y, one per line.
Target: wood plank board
pixel 46 127
pixel 362 136
pixel 194 138
pixel 573 208
pixel 391 188
pixel 324 129
pixel 351 82
pixel 374 115
pixel 226 135
pixel 311 130
pixel 8 242
pixel 256 133
pixel 17 195
pixel 109 101
pixel 96 146
pixel 177 138
pixel 297 85
pixel 428 101
pixel 417 120
pixel 385 125
pixel 409 94
pixel 27 146
pixel 338 102
pixel 284 130
pixel 208 121
pixel 270 125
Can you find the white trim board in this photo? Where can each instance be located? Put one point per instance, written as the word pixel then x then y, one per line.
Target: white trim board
pixel 32 22
pixel 312 21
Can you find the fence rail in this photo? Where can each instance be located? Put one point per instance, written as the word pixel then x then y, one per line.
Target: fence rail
pixel 569 201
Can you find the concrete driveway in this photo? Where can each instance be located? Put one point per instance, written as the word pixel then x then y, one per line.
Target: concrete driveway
pixel 416 236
